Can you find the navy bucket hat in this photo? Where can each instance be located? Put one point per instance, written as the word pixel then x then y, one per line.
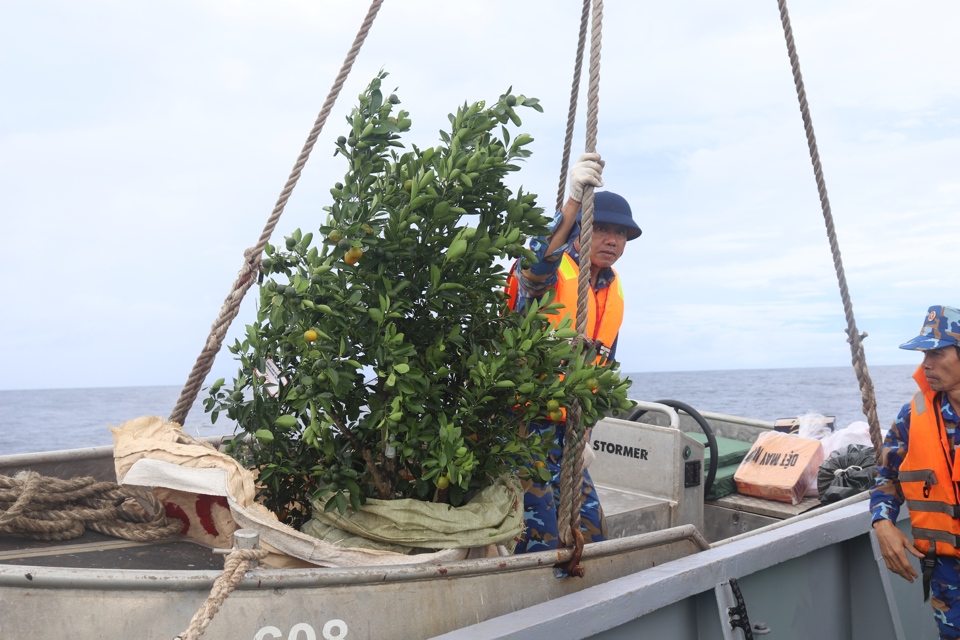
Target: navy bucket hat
pixel 941 328
pixel 611 208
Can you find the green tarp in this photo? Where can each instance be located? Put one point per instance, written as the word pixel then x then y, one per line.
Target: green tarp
pixel 731 454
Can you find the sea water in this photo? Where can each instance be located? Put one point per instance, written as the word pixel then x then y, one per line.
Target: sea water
pixel 51 419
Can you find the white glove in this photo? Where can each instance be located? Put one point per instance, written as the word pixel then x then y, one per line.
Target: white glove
pixel 588 456
pixel 586 171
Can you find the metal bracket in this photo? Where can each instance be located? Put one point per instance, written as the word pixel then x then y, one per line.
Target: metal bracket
pixel 737 614
pixel 244 539
pixel 735 622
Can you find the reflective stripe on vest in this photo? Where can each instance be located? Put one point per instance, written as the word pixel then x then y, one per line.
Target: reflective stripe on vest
pixel 952 510
pixel 928 477
pixel 940 537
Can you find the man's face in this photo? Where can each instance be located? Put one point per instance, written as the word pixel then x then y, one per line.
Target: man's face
pixel 942 369
pixel 609 241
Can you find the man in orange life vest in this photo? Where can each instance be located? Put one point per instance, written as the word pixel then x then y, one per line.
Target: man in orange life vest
pixel 918 466
pixel 558 268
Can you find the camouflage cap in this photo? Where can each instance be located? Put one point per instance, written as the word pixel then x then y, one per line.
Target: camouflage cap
pixel 941 328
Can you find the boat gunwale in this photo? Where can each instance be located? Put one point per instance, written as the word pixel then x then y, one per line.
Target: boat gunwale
pixel 83 453
pixel 622 600
pixel 40 577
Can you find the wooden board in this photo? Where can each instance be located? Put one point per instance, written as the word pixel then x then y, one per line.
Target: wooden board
pixel 770 508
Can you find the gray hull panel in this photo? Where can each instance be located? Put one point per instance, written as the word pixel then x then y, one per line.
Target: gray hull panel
pixel 374 603
pixel 819 577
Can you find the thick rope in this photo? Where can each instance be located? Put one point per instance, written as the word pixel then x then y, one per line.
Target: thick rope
pixel 853 335
pixel 252 256
pixel 572 111
pixel 44 508
pixel 235 565
pixel 571 467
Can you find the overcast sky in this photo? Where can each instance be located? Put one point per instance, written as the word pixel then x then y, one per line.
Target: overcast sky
pixel 143 145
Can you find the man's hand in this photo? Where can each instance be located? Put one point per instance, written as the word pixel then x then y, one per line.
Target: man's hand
pixel 586 171
pixel 892 546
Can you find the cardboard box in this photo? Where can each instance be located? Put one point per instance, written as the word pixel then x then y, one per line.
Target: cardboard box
pixel 779 467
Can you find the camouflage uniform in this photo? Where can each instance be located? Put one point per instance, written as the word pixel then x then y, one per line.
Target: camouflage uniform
pixel 540 503
pixel 886 500
pixel 540 500
pixel 941 328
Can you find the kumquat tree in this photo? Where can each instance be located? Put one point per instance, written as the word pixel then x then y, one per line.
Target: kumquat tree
pixel 384 362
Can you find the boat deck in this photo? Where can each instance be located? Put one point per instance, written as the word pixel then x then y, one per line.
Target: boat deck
pixel 96 551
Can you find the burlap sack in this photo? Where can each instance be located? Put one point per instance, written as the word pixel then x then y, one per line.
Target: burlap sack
pixel 190 474
pixel 493 516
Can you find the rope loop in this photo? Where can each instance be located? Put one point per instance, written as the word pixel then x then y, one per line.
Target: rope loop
pixel 235 565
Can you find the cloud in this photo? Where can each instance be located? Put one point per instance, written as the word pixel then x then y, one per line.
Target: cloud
pixel 142 148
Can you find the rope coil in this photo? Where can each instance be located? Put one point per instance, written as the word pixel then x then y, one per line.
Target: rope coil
pixel 51 509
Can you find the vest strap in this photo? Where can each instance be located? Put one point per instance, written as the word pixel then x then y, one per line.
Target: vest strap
pixel 929 563
pixel 952 510
pixel 934 535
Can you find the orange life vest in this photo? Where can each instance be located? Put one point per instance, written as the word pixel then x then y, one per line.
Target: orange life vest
pixel 929 474
pixel 604 309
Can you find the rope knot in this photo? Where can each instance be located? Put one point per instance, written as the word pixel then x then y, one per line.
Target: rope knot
pixel 844 472
pixel 235 565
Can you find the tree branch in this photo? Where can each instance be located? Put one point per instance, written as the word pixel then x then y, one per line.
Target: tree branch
pixel 384 490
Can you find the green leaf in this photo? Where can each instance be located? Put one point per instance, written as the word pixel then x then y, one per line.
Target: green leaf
pixel 264 435
pixel 286 422
pixel 401 368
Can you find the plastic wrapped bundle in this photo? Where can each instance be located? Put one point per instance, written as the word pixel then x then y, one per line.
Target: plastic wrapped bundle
pixel 847 472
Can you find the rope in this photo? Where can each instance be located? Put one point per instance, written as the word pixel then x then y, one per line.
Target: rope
pixel 252 256
pixel 572 111
pixel 44 508
pixel 571 467
pixel 854 337
pixel 235 565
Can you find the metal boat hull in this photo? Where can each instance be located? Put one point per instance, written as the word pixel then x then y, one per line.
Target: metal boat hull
pixel 816 575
